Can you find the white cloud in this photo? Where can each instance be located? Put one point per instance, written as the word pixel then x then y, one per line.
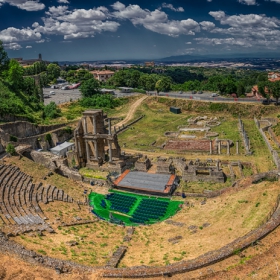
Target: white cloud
pixel 78 23
pixel 40 41
pixel 63 1
pixel 31 5
pixel 12 34
pixel 171 7
pixel 248 2
pixel 12 46
pixel 207 25
pixel 28 47
pixel 277 1
pixel 156 21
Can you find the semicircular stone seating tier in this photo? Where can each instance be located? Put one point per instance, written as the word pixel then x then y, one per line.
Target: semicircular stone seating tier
pixel 20 197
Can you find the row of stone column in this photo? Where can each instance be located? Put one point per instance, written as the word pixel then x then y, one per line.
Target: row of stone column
pixel 94 131
pixel 96 150
pixel 228 147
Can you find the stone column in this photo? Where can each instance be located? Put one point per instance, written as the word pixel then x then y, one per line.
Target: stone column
pixel 210 144
pixel 80 150
pixel 228 147
pixel 85 125
pixel 110 151
pixel 219 147
pixel 87 149
pixel 237 147
pixel 94 124
pixel 95 149
pixel 109 126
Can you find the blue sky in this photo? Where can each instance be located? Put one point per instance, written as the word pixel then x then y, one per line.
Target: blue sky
pixel 99 30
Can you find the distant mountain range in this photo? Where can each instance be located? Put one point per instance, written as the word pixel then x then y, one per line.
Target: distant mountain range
pixel 191 58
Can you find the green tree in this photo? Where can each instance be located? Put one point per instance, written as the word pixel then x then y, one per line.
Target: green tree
pixel 14 75
pixel 53 71
pixel 263 89
pixel 275 90
pixel 51 111
pixel 10 149
pixel 90 87
pixel 4 59
pixel 240 90
pixel 164 84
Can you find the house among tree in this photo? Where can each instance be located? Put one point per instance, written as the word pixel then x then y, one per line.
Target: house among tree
pixel 102 76
pixel 273 76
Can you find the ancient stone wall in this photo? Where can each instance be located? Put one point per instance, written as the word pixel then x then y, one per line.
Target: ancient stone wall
pixel 22 129
pixel 55 164
pixel 245 137
pixel 274 153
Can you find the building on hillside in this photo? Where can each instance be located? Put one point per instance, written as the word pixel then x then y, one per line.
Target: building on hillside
pixel 273 76
pixel 126 89
pixel 149 64
pixel 255 92
pixel 29 62
pixel 103 75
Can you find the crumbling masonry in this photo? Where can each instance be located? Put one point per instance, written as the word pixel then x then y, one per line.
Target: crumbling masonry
pixel 95 142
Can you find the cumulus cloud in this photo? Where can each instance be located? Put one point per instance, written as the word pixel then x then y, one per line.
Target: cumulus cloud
pixel 63 1
pixel 207 25
pixel 277 1
pixel 156 21
pixel 171 7
pixel 28 47
pixel 250 30
pixel 12 46
pixel 248 2
pixel 31 5
pixel 12 34
pixel 77 23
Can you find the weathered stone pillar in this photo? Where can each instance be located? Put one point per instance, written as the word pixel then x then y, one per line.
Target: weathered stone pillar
pixel 109 126
pixel 95 149
pixel 94 124
pixel 227 147
pixel 219 147
pixel 110 151
pixel 80 150
pixel 237 147
pixel 85 125
pixel 87 149
pixel 210 144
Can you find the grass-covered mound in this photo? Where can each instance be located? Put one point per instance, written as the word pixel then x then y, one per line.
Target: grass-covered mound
pixel 132 209
pixel 14 104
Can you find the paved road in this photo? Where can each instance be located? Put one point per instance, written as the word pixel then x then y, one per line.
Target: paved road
pixel 61 96
pixel 207 97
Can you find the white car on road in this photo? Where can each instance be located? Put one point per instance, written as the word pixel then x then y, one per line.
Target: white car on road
pixel 52 92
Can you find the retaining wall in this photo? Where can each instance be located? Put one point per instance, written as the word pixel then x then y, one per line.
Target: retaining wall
pixel 245 137
pixel 274 153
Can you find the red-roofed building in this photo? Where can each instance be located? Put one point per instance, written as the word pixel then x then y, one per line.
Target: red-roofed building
pixel 102 76
pixel 273 76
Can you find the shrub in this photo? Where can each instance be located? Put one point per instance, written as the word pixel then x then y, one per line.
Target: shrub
pixel 10 149
pixel 51 111
pixel 13 138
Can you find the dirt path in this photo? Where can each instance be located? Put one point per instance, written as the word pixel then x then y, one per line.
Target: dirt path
pixel 131 112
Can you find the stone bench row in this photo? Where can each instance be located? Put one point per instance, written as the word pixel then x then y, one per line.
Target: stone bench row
pixel 19 197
